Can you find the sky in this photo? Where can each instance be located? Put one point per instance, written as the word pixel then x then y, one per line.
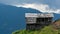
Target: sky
pixel 45 6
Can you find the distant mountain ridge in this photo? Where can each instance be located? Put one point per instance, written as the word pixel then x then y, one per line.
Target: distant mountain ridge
pixel 56 16
pixel 13 18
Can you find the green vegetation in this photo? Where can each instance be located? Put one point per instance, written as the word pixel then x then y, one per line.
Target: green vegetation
pixel 46 30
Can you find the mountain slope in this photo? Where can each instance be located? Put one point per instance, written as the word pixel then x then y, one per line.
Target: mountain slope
pixel 13 18
pixel 56 16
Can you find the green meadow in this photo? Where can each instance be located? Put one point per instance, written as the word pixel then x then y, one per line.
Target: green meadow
pixel 46 30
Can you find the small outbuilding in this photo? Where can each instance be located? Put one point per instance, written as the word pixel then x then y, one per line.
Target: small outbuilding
pixel 36 21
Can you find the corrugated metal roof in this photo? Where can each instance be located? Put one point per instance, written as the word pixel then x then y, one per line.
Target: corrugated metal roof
pixel 38 15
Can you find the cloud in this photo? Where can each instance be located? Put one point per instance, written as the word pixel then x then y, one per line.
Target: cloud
pixel 51 3
pixel 44 8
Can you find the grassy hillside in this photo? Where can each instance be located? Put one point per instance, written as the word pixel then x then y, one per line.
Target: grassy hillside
pixel 46 30
pixel 51 29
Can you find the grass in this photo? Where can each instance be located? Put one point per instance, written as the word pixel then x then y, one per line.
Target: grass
pixel 46 30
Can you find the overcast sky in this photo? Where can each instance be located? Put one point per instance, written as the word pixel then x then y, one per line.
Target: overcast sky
pixel 49 6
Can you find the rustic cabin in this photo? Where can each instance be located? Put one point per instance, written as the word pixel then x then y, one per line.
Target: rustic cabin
pixel 36 21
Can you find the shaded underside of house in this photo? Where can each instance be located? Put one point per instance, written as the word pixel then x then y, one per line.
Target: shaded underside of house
pixel 40 23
